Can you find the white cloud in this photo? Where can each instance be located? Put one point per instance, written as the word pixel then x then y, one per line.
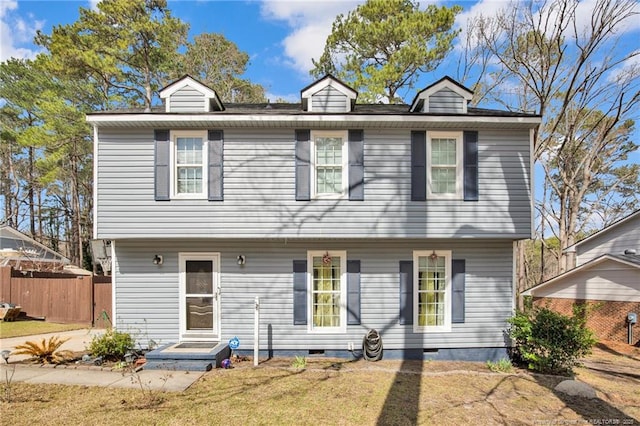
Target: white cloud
pixel 93 4
pixel 16 32
pixel 310 23
pixel 290 97
pixel 6 5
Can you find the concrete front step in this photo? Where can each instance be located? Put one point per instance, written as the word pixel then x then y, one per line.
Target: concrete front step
pixel 187 356
pixel 182 365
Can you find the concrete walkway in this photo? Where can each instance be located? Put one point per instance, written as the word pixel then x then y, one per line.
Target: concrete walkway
pixel 85 375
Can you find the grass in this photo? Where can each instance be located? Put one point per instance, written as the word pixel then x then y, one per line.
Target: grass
pixel 29 327
pixel 336 392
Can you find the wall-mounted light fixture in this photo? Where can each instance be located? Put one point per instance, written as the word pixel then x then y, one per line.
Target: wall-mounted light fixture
pixel 157 259
pixel 241 259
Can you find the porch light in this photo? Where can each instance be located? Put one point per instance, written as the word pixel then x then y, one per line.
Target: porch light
pixel 241 259
pixel 157 259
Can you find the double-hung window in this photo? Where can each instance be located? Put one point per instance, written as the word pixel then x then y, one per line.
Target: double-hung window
pixel 432 290
pixel 327 290
pixel 189 165
pixel 329 164
pixel 444 164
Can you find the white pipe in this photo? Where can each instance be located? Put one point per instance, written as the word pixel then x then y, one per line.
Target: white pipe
pixel 256 333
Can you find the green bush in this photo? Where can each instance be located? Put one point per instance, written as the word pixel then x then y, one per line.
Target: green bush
pixel 111 345
pixel 548 342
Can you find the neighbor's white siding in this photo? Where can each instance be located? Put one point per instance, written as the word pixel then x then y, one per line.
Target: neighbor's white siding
pixel 612 241
pixel 607 280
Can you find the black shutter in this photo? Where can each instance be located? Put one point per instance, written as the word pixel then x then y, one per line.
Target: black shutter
pixel 406 292
pixel 353 292
pixel 299 292
pixel 162 165
pixel 457 293
pixel 470 162
pixel 418 166
pixel 303 165
pixel 216 156
pixel 356 165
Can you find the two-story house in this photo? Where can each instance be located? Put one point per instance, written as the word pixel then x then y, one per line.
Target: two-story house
pixel 341 217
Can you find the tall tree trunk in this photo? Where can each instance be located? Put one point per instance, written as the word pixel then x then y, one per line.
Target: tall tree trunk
pixel 32 206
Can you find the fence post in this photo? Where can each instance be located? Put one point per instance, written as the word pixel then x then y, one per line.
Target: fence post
pixel 256 333
pixel 5 283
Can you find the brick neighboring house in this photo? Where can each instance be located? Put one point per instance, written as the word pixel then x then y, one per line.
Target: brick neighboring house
pixel 605 276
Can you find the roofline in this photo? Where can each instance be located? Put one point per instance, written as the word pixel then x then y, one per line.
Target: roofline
pixel 607 228
pixel 31 240
pixel 577 269
pixel 330 76
pixel 118 119
pixel 442 80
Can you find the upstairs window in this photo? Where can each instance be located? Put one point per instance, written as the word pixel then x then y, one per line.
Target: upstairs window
pixel 329 164
pixel 190 171
pixel 444 163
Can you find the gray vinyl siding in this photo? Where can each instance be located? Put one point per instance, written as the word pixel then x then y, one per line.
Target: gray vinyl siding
pixel 612 241
pixel 187 99
pixel 259 192
pixel 329 99
pixel 445 101
pixel 147 295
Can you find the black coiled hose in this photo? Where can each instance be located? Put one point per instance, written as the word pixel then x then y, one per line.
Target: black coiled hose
pixel 372 346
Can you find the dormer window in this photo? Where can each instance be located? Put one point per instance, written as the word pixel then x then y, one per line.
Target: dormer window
pixel 328 95
pixel 446 96
pixel 189 95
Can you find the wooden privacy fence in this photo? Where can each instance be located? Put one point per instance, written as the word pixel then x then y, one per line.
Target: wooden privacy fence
pixel 63 298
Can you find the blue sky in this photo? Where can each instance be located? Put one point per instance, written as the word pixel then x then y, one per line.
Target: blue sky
pixel 281 36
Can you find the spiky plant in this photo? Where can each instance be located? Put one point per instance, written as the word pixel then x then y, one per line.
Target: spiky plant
pixel 45 352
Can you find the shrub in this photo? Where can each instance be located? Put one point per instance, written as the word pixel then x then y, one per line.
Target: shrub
pixel 548 342
pixel 112 345
pixel 501 366
pixel 46 352
pixel 299 362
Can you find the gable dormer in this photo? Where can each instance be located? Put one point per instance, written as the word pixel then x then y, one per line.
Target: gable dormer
pixel 189 95
pixel 328 95
pixel 446 96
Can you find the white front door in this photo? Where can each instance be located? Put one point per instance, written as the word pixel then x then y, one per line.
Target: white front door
pixel 199 296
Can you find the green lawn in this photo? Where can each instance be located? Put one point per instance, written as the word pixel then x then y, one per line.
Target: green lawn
pixel 28 328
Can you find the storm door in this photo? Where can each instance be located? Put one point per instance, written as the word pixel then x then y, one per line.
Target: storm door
pixel 199 296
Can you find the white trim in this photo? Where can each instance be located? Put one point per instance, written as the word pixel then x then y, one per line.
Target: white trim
pixel 310 92
pixel 345 163
pixel 458 136
pixel 184 82
pixel 532 184
pixel 174 134
pixel 95 181
pixel 446 327
pixel 425 94
pixel 343 291
pixel 217 329
pixel 114 285
pixel 287 120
